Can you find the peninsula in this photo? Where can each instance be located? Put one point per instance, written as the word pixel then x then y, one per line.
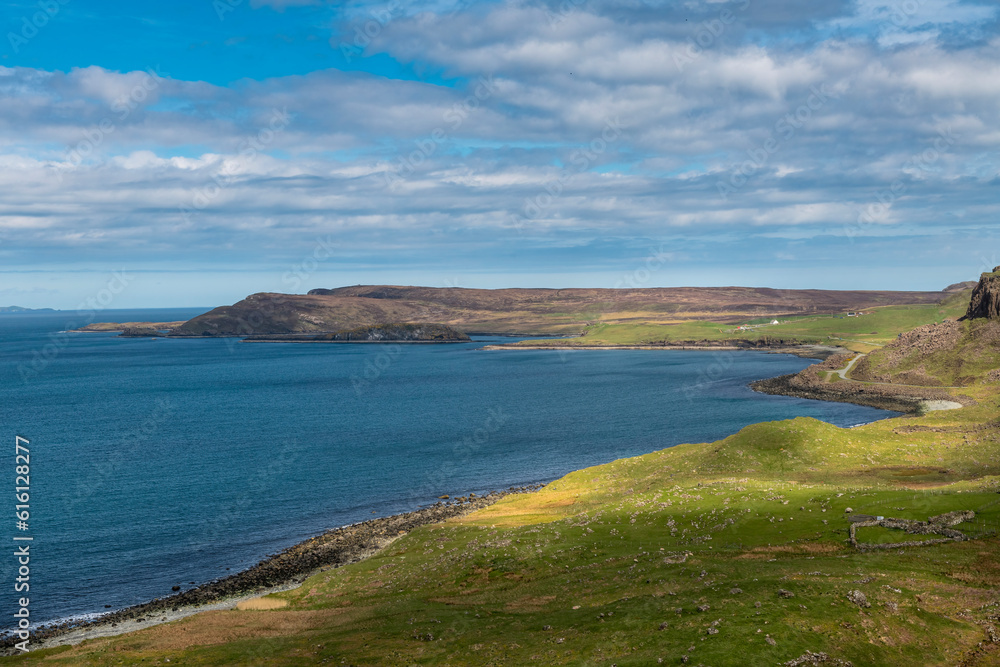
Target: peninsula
pixel 595 316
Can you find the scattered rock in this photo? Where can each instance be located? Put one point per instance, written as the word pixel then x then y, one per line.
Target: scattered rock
pixel 735 591
pixel 859 598
pixel 663 626
pixel 952 518
pixel 785 594
pixel 704 607
pixel 810 658
pixel 848 510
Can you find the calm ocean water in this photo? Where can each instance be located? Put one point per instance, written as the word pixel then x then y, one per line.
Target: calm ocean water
pixel 162 462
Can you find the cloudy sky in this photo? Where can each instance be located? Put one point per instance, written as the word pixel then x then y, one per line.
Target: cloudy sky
pixel 209 149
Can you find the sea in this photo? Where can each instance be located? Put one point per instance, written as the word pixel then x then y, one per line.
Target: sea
pixel 157 462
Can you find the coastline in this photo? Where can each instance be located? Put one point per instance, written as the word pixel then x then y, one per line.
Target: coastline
pixel 804 350
pixel 349 342
pixel 279 572
pixel 353 543
pixel 784 385
pixel 814 382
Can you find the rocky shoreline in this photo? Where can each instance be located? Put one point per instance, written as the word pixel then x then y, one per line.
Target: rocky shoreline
pixel 898 398
pixel 805 350
pixel 284 570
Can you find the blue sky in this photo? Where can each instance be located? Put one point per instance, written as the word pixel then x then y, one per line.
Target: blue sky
pixel 214 148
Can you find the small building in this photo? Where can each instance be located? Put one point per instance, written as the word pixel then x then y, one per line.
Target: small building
pixel 775 322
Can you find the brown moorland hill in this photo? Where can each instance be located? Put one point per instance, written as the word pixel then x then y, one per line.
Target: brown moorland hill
pixel 523 310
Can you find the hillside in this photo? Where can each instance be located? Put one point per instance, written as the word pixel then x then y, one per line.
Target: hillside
pixel 525 310
pixel 946 354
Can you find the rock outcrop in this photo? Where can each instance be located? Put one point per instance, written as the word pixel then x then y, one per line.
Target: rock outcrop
pixel 404 332
pixel 985 301
pixel 140 332
pixel 401 332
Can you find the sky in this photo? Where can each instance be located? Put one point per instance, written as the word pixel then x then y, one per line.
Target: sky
pixel 190 153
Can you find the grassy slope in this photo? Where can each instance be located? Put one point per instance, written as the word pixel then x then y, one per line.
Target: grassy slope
pixel 967 360
pixel 596 556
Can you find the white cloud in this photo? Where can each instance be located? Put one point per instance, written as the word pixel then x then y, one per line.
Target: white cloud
pixel 685 129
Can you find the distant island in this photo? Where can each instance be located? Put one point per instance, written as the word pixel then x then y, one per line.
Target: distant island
pixel 20 309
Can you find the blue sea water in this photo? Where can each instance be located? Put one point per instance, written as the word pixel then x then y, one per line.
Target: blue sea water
pixel 162 462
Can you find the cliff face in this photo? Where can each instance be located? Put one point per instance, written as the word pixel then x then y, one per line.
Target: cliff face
pixel 985 301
